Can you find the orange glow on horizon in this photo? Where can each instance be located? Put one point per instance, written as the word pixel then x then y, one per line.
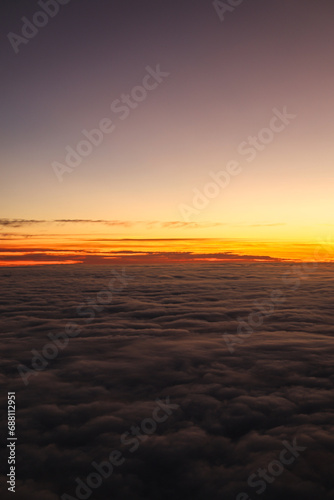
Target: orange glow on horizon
pixel 101 249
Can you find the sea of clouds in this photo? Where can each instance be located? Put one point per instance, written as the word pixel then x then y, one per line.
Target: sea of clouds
pixel 160 335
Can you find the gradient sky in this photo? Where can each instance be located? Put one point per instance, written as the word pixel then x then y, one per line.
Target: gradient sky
pixel 224 80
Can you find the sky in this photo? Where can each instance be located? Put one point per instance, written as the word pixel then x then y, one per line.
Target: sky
pixel 244 96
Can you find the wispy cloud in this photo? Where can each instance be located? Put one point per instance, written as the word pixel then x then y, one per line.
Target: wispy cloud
pixel 18 223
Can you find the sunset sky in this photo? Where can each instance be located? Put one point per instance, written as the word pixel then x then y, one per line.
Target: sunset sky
pixel 167 249
pixel 223 79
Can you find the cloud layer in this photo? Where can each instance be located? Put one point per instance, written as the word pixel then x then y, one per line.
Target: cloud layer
pixel 162 335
